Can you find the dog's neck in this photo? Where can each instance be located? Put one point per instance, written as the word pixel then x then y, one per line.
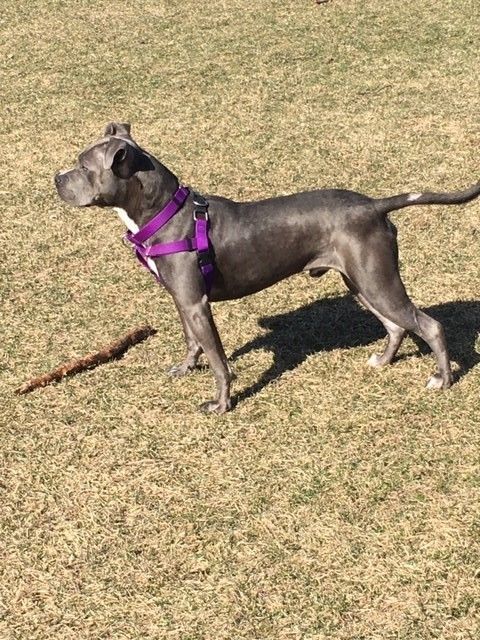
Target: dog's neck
pixel 147 193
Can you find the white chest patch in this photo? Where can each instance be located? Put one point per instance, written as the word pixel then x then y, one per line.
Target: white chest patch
pixel 125 218
pixel 133 227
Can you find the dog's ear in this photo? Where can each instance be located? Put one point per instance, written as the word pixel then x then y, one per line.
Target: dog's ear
pixel 124 159
pixel 117 129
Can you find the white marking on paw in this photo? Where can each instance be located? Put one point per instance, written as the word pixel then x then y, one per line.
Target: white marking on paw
pixel 414 196
pixel 435 382
pixel 375 360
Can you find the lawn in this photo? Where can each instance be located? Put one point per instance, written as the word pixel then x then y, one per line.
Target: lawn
pixel 335 501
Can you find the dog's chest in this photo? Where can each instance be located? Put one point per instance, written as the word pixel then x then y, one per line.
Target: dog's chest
pixel 133 227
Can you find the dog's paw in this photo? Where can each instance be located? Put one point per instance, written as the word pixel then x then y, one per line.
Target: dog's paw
pixel 437 382
pixel 376 360
pixel 180 370
pixel 215 406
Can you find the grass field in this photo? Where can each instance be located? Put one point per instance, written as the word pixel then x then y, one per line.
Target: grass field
pixel 335 501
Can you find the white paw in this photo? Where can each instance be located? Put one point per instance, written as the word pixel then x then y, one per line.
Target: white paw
pixel 375 360
pixel 435 382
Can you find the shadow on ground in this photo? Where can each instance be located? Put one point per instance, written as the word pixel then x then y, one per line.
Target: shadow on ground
pixel 340 323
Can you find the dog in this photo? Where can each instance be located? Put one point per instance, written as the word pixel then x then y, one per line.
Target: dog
pixel 253 245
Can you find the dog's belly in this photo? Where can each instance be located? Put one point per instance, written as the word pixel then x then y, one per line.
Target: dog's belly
pixel 226 287
pixel 245 269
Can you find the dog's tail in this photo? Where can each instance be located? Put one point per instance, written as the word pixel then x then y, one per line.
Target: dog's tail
pixel 385 205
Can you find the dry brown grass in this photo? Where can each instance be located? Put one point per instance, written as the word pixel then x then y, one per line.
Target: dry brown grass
pixel 335 501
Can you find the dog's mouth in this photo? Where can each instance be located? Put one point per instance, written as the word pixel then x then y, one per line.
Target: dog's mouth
pixel 97 201
pixel 80 197
pixel 71 200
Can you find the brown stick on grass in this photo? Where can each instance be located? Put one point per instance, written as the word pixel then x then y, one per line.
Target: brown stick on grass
pixel 110 352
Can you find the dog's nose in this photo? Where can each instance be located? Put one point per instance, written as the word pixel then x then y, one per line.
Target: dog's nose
pixel 59 178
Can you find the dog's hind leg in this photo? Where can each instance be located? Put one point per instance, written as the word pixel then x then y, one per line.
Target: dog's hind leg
pixel 378 282
pixel 395 333
pixel 395 336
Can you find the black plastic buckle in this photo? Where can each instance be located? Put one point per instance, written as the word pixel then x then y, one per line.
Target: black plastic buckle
pixel 199 200
pixel 201 207
pixel 205 257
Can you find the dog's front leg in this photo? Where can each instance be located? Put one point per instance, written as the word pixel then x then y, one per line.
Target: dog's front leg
pixel 194 350
pixel 199 319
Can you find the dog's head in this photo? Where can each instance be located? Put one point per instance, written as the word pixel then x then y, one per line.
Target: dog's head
pixel 104 169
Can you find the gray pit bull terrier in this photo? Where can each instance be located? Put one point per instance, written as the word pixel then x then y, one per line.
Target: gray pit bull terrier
pixel 256 244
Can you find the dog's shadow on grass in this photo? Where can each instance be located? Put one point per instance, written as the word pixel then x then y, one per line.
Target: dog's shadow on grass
pixel 339 323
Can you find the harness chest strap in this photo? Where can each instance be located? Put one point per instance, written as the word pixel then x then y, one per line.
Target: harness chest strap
pixel 199 243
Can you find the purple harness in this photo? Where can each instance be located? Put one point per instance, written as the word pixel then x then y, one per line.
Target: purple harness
pixel 198 243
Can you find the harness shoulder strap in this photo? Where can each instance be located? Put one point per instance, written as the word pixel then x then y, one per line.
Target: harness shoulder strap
pixel 204 250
